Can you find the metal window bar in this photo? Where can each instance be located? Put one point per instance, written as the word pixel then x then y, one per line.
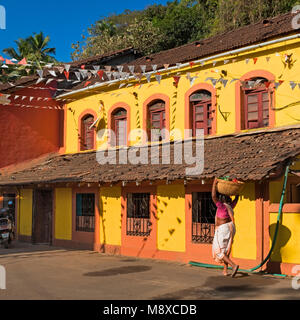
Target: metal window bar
pixel 85 217
pixel 138 215
pixel 203 217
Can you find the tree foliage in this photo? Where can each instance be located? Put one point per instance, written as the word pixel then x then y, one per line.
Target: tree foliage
pixel 36 51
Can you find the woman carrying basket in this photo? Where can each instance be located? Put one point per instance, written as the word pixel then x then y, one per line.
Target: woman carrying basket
pixel 224 229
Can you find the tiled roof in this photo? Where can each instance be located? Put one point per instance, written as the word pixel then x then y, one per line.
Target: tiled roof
pixel 251 34
pixel 250 157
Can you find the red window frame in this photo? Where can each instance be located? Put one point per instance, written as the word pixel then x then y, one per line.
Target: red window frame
pixel 206 113
pixel 263 114
pixel 87 138
pixel 157 117
pixel 117 119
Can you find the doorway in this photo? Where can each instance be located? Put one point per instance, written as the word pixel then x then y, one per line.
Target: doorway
pixel 42 217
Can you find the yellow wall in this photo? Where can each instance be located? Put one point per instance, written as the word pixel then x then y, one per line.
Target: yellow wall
pixel 25 220
pixel 244 245
pixel 111 95
pixel 171 218
pixel 288 239
pixel 63 213
pixel 110 216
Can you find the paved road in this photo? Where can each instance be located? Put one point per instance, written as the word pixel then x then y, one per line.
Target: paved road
pixel 41 272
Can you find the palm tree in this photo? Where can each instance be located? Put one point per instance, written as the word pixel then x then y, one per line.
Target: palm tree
pixel 33 48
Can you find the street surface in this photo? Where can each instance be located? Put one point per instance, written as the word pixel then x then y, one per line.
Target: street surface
pixel 43 272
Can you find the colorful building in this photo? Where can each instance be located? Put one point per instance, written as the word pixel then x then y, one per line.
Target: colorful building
pixel 241 88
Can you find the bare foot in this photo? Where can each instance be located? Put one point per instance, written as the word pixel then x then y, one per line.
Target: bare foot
pixel 225 273
pixel 235 269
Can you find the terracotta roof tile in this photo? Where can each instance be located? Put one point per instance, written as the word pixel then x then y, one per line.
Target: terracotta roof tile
pixel 247 157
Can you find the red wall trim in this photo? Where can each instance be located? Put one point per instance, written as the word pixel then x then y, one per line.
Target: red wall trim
pixel 91 238
pixel 239 103
pixel 188 113
pixel 111 111
pixel 157 96
pixel 145 247
pixel 287 208
pixel 82 115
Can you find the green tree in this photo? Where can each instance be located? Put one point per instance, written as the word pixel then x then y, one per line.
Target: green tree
pixel 34 49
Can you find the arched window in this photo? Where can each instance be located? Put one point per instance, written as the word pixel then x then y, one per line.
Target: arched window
pixel 201 111
pixel 87 135
pixel 256 103
pixel 119 125
pixel 157 120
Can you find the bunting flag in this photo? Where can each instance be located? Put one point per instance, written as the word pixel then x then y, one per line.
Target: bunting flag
pixel 40 73
pixel 293 85
pixel 96 68
pixel 67 74
pixel 148 77
pixel 23 62
pixel 120 68
pixel 143 68
pixel 176 81
pixel 192 63
pixel 131 69
pixel 108 68
pixel 52 73
pixel 268 59
pixel 224 82
pixel 166 66
pixel 226 61
pixel 100 74
pixel 67 67
pixel 158 78
pixel 247 61
pixel 214 63
pixel 7 61
pixel 255 60
pixel 154 67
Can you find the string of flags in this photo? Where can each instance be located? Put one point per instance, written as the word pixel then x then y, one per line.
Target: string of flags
pixel 70 73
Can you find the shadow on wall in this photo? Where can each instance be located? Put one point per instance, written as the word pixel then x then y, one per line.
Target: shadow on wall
pixel 283 236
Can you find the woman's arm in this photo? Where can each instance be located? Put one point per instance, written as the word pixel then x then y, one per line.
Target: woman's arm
pixel 214 191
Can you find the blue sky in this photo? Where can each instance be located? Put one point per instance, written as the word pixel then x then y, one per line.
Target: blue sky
pixel 63 20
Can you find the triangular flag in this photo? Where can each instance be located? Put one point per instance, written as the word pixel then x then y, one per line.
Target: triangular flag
pixel 67 74
pixel 120 68
pixel 60 69
pixel 158 78
pixel 82 66
pixel 7 61
pixel 178 65
pixel 40 73
pixel 277 84
pixel 154 67
pixel 131 69
pixel 192 63
pixel 247 61
pixel 100 74
pixel 166 66
pixel 148 77
pixel 255 60
pixel 31 98
pixel 192 80
pixel 214 63
pixel 77 74
pixel 67 67
pixel 214 82
pixel 268 59
pixel 96 68
pixel 224 81
pixel 293 84
pixel 226 61
pixel 23 61
pixel 53 74
pixel 143 68
pixel 176 81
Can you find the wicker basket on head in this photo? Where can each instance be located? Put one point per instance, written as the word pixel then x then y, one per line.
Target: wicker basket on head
pixel 230 188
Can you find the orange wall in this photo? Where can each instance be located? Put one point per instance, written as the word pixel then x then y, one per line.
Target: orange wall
pixel 26 133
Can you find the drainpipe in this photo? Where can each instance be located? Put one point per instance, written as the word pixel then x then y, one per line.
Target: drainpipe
pixel 232 52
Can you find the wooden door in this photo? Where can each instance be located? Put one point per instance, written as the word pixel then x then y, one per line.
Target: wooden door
pixel 42 216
